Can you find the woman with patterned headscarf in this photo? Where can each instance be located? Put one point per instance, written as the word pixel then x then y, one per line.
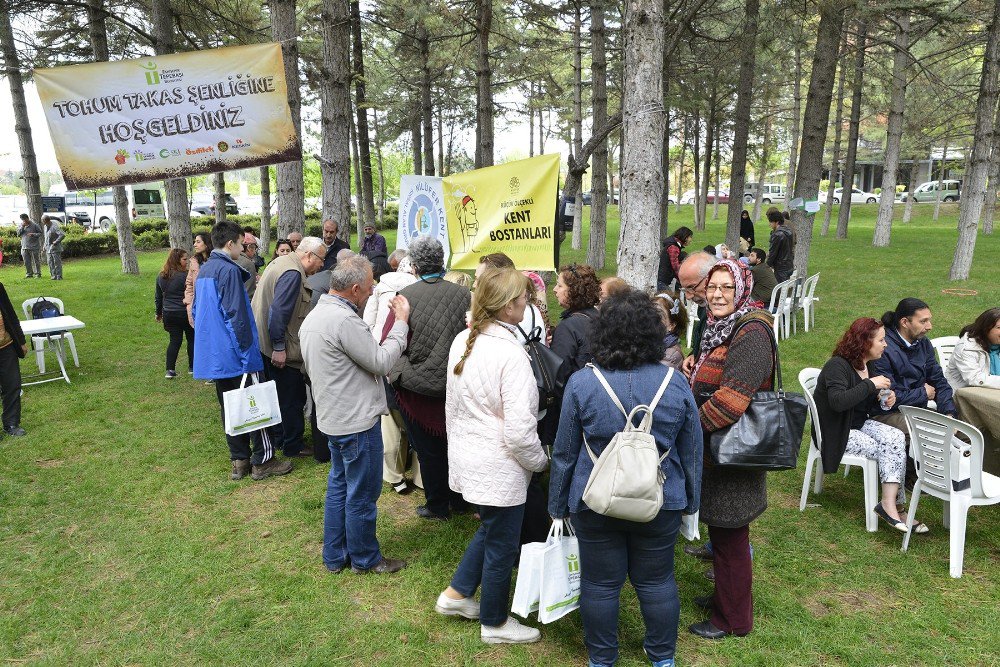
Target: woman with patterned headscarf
pixel 735 361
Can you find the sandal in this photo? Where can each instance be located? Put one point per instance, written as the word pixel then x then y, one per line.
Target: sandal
pixel 895 523
pixel 918 527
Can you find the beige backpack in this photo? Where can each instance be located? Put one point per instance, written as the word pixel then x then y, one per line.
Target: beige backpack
pixel 627 481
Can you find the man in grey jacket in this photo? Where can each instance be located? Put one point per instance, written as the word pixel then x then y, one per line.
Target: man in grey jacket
pixel 31 246
pixel 347 368
pixel 54 236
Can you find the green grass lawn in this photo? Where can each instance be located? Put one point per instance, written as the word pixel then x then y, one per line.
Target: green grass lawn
pixel 123 542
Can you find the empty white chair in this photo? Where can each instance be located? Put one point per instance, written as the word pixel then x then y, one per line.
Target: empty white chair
pixel 38 342
pixel 951 470
pixel 807 378
pixel 692 311
pixel 780 304
pixel 943 347
pixel 808 299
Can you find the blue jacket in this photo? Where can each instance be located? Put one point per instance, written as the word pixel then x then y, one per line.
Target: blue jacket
pixel 225 334
pixel 909 368
pixel 587 408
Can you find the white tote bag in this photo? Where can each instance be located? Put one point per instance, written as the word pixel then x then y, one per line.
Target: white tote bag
pixel 689 527
pixel 529 580
pixel 559 593
pixel 251 407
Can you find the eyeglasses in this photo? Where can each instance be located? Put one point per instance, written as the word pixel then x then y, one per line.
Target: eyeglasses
pixel 694 287
pixel 725 289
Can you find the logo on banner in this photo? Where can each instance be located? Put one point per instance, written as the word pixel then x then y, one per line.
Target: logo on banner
pixel 152 73
pixel 423 212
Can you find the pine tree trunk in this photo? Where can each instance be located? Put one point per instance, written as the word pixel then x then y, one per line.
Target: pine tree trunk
pixel 219 183
pixel 761 175
pixel 844 215
pixel 982 141
pixel 177 203
pixel 531 119
pixel 718 168
pixel 706 176
pixel 680 164
pixel 599 176
pixel 426 105
pixel 265 209
pixel 361 99
pixel 98 31
pixel 665 204
pixel 894 132
pixel 381 170
pixel 642 114
pixel 911 184
pixel 484 86
pixel 416 140
pixel 814 125
pixel 699 222
pixel 990 200
pixel 838 126
pixel 577 240
pixel 22 125
pixel 793 152
pixel 741 122
pixel 358 198
pixel 335 121
pixel 440 138
pixel 291 188
pixel 940 183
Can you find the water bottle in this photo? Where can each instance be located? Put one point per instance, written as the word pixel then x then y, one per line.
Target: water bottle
pixel 883 398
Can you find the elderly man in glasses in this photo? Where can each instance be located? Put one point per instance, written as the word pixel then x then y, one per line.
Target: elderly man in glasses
pixel 693 276
pixel 281 303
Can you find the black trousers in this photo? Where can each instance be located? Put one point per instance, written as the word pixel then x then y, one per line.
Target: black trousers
pixel 176 324
pixel 432 452
pixel 240 445
pixel 320 441
pixel 291 385
pixel 10 385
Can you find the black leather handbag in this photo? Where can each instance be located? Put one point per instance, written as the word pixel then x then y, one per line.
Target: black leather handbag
pixel 545 366
pixel 769 434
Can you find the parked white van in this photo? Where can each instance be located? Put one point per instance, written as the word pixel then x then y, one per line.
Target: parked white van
pixel 769 194
pixel 144 201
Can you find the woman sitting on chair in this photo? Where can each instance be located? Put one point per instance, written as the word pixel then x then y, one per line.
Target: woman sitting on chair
pixel 845 395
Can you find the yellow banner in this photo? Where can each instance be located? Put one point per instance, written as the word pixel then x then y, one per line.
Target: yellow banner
pixel 134 121
pixel 509 208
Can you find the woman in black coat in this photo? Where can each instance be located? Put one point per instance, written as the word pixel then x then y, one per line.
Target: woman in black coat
pixel 578 291
pixel 845 395
pixel 13 347
pixel 746 229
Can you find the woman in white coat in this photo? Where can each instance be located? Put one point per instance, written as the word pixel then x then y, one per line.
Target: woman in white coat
pixel 975 361
pixel 491 408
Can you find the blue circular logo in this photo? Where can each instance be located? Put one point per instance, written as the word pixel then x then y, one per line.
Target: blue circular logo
pixel 422 218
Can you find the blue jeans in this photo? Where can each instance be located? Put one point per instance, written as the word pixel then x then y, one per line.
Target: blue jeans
pixel 610 550
pixel 352 490
pixel 489 560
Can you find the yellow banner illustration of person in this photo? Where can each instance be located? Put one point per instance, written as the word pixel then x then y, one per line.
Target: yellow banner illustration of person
pixel 509 208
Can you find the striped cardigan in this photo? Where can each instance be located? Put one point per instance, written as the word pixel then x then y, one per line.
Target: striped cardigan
pixel 723 388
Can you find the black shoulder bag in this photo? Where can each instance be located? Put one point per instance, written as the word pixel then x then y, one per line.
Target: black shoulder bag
pixel 769 434
pixel 544 365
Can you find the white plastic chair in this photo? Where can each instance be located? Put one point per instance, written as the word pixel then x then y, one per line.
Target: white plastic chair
pixel 38 342
pixel 943 347
pixel 692 311
pixel 807 378
pixel 780 304
pixel 951 470
pixel 808 299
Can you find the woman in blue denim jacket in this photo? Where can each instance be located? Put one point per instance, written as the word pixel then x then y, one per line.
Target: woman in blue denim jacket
pixel 627 344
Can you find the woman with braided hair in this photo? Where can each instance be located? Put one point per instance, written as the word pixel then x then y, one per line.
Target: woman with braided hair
pixel 491 408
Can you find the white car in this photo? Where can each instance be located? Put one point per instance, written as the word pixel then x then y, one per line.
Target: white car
pixel 857 196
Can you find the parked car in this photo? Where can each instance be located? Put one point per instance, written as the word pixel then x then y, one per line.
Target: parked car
pixel 857 196
pixel 205 205
pixel 723 195
pixel 769 194
pixel 950 191
pixel 588 196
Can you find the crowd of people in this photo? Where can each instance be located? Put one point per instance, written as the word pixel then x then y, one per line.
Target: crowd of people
pixel 420 382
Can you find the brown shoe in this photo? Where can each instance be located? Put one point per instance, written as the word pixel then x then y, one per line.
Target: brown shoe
pixel 241 468
pixel 271 468
pixel 385 566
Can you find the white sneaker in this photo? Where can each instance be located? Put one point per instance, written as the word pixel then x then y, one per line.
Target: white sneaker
pixel 510 632
pixel 466 607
